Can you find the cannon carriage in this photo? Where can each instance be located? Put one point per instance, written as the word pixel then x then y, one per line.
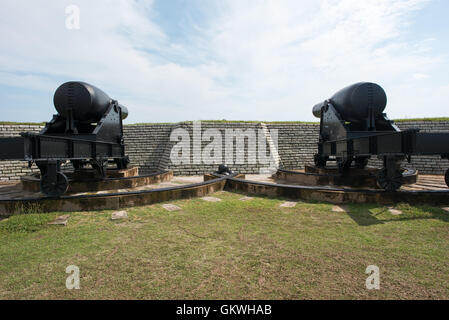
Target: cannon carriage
pixel 87 129
pixel 353 128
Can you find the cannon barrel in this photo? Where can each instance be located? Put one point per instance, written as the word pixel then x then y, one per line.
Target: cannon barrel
pixel 354 102
pixel 88 103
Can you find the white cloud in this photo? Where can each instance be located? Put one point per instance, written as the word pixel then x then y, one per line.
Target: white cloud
pixel 420 76
pixel 262 60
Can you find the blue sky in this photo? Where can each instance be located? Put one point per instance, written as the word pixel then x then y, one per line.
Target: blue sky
pixel 175 60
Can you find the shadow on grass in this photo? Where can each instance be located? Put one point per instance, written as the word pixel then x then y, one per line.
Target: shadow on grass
pixel 370 214
pixel 366 216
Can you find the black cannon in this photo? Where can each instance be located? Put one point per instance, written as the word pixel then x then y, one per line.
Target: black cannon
pixel 353 128
pixel 88 129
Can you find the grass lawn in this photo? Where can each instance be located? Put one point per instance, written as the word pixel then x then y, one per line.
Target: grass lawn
pixel 229 250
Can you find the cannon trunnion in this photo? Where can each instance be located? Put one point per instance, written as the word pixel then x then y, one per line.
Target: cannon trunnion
pixel 353 128
pixel 88 129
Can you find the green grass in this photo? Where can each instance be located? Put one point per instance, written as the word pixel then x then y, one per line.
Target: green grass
pixel 422 119
pixel 229 250
pixel 25 223
pixel 21 123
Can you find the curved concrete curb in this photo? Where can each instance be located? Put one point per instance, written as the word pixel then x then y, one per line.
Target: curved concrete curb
pixel 111 201
pixel 337 195
pixel 214 183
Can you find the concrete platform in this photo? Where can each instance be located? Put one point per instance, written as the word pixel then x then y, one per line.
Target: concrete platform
pixel 31 183
pixel 15 200
pixel 14 190
pixel 423 183
pixel 329 176
pixel 429 189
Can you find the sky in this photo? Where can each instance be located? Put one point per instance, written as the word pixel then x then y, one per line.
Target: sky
pixel 179 60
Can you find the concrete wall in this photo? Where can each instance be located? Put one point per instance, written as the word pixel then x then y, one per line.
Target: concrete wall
pixel 150 147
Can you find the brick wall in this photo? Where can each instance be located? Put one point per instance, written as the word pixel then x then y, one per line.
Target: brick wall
pixel 12 170
pixel 297 143
pixel 145 145
pixel 149 147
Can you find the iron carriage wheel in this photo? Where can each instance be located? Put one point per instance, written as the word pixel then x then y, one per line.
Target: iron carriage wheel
pixel 389 183
pixel 54 188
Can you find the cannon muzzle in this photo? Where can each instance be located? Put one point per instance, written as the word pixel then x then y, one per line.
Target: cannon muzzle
pixel 86 102
pixel 354 102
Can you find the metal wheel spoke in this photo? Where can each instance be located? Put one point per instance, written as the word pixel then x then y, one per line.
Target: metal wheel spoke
pixel 54 189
